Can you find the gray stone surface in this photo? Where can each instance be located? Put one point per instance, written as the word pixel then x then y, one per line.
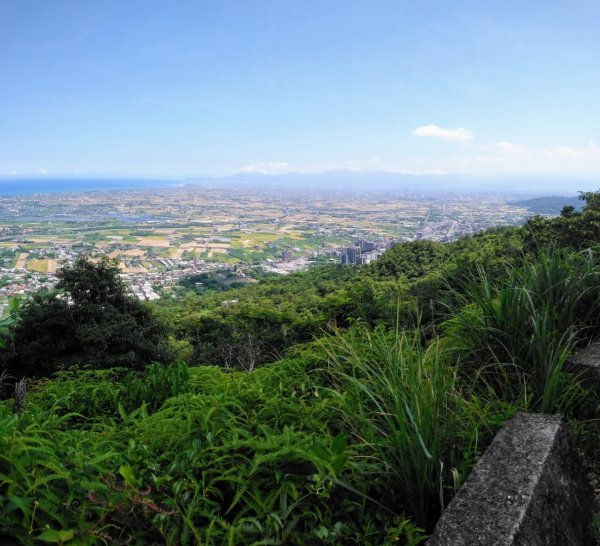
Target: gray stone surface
pixel 586 365
pixel 529 488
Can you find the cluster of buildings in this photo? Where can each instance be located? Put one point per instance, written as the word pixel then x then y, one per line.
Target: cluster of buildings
pixel 19 282
pixel 147 285
pixel 16 282
pixel 451 229
pixel 144 291
pixel 364 252
pixel 143 285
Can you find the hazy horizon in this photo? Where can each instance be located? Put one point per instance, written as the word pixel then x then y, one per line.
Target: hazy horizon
pixel 339 181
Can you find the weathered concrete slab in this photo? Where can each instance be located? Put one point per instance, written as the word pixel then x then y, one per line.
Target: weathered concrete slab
pixel 586 365
pixel 528 489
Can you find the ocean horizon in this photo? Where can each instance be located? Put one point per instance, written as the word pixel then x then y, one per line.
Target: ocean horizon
pixel 31 186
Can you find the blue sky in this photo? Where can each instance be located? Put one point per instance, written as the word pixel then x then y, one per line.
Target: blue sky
pixel 186 88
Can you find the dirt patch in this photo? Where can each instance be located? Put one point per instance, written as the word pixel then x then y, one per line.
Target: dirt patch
pixel 21 260
pixel 159 243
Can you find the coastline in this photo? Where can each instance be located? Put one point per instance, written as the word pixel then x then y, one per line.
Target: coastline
pixel 33 186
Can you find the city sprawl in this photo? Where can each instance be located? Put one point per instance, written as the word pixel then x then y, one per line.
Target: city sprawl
pixel 160 236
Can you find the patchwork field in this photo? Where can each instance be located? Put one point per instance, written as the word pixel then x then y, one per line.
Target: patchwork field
pixel 40 266
pixel 154 242
pixel 131 252
pixel 133 269
pixel 228 226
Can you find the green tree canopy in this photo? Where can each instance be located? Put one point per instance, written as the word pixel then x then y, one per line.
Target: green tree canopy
pixel 89 320
pixel 91 283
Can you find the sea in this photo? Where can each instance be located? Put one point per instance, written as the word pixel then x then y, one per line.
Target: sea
pixel 29 186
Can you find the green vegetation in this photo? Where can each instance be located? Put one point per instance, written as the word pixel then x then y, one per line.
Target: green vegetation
pixel 89 320
pixel 238 459
pixel 336 406
pixel 215 281
pixel 548 205
pixel 520 330
pixel 576 230
pixel 402 404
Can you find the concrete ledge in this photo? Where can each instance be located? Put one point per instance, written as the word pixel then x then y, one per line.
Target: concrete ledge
pixel 586 365
pixel 528 488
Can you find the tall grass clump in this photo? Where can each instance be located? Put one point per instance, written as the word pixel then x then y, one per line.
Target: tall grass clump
pixel 157 383
pixel 399 399
pixel 516 333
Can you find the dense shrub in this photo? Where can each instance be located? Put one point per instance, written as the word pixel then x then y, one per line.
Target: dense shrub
pixel 240 458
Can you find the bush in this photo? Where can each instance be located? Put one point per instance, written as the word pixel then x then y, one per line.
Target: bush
pixel 517 333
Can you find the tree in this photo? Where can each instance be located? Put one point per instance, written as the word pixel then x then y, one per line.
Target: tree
pixel 92 283
pixel 89 320
pixel 568 211
pixel 592 200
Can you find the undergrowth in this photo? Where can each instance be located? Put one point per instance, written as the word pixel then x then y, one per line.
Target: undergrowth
pixel 360 438
pixel 237 458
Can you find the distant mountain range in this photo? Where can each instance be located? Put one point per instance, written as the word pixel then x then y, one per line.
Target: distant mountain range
pixel 346 180
pixel 548 205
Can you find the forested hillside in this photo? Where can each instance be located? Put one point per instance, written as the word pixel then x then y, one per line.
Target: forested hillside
pixel 550 205
pixel 341 405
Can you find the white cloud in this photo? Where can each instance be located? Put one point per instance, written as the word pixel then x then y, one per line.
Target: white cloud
pixel 452 135
pixel 43 171
pixel 504 158
pixel 281 167
pixel 372 163
pixel 499 158
pixel 591 151
pixel 508 148
pixel 561 158
pixel 276 167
